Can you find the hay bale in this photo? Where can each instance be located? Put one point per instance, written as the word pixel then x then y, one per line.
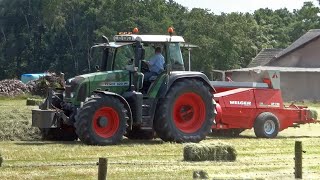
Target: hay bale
pixel 216 151
pixel 33 102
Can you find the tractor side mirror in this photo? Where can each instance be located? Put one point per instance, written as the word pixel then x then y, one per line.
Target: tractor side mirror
pixel 97 67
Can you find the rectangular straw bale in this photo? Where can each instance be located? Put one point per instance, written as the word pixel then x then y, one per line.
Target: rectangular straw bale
pixel 215 151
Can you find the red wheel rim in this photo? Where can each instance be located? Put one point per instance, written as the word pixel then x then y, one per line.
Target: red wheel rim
pixel 189 112
pixel 106 122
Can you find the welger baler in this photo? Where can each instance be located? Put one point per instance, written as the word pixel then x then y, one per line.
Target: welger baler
pixel 258 105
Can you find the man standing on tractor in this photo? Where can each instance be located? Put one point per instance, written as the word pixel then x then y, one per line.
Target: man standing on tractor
pixel 155 65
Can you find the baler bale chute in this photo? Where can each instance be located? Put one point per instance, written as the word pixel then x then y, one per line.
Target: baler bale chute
pixel 258 105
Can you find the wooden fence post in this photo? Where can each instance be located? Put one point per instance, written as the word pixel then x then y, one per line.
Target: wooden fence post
pixel 298 160
pixel 102 169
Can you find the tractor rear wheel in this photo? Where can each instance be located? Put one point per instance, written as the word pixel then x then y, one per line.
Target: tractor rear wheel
pixel 102 120
pixel 266 125
pixel 186 113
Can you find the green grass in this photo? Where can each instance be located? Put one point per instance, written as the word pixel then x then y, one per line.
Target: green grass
pixel 15 120
pixel 257 158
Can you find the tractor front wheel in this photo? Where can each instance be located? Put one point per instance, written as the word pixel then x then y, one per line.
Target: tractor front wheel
pixel 186 113
pixel 266 125
pixel 102 120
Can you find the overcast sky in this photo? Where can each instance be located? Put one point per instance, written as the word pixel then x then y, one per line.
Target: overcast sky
pixel 227 6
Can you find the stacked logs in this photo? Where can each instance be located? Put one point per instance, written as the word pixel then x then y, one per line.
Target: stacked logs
pixel 13 87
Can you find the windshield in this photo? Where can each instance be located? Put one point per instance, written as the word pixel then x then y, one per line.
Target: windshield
pixel 124 55
pixel 175 54
pixel 95 59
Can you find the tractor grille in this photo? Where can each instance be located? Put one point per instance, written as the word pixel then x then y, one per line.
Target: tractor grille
pixel 82 94
pixel 68 91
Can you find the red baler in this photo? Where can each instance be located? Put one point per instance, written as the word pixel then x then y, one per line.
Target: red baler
pixel 258 105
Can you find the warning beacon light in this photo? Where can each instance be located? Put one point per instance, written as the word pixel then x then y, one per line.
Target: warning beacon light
pixel 135 30
pixel 170 30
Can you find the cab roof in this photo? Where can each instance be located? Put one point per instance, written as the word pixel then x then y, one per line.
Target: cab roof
pixel 147 38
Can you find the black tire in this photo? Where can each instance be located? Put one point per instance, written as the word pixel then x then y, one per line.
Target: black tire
pixel 138 134
pixel 101 109
pixel 64 133
pixel 177 116
pixel 266 125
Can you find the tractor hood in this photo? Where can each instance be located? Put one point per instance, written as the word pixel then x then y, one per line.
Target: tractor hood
pixel 83 86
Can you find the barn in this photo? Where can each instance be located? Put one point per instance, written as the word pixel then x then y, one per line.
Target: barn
pixel 299 66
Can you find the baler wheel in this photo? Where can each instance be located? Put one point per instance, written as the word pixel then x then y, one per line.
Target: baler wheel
pixel 186 113
pixel 266 125
pixel 102 120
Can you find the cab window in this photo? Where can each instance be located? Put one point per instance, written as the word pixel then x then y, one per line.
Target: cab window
pixel 124 54
pixel 175 56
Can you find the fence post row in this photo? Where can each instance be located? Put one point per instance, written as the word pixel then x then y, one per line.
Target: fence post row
pixel 102 169
pixel 298 160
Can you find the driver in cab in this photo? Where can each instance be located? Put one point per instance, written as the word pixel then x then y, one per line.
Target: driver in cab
pixel 155 64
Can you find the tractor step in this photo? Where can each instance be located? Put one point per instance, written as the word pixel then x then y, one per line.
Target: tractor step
pixel 146 122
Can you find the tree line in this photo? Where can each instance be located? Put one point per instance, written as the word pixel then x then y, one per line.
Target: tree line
pixel 55 35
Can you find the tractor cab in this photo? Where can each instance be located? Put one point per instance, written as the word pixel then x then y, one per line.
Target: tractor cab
pixel 130 54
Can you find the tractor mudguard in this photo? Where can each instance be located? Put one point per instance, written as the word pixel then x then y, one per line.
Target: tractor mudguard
pixel 122 99
pixel 178 75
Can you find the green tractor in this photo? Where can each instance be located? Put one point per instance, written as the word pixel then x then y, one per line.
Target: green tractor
pixel 101 107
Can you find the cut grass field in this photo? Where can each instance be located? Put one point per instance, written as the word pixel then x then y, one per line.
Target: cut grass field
pixel 257 158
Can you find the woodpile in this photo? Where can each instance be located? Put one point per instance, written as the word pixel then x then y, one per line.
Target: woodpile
pixel 13 87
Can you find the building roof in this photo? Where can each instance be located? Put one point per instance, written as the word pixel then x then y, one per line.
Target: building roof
pixel 281 69
pixel 307 38
pixel 264 56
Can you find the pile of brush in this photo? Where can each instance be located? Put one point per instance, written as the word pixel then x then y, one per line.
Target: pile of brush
pixel 13 87
pixel 40 87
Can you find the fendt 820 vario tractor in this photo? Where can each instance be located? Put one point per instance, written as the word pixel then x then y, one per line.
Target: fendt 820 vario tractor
pixel 101 107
